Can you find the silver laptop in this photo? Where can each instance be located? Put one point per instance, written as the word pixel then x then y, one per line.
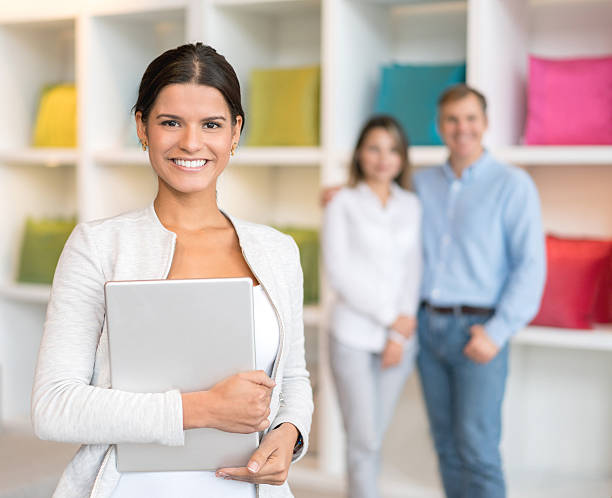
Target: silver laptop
pixel 186 335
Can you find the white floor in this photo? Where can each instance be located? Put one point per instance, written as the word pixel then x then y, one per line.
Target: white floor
pixel 29 468
pixel 410 468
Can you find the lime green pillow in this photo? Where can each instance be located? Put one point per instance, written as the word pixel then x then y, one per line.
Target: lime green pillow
pixel 56 122
pixel 308 243
pixel 284 107
pixel 42 245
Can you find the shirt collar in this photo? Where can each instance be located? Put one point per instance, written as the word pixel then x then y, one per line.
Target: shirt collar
pixel 471 172
pixel 363 187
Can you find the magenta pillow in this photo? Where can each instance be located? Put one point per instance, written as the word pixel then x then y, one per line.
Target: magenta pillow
pixel 569 101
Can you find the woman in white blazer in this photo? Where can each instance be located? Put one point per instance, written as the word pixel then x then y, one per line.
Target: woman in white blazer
pixel 372 252
pixel 189 116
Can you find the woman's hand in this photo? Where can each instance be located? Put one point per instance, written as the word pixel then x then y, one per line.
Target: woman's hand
pixel 392 354
pixel 240 403
pixel 405 325
pixel 270 463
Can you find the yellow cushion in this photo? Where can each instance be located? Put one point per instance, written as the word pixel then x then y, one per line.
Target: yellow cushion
pixel 284 107
pixel 56 122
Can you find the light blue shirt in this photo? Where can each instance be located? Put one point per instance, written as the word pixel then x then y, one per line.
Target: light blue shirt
pixel 483 242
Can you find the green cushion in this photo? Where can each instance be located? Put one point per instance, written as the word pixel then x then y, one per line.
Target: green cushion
pixel 56 122
pixel 308 243
pixel 284 107
pixel 42 245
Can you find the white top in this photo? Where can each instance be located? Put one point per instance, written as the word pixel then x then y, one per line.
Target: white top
pixel 198 484
pixel 373 261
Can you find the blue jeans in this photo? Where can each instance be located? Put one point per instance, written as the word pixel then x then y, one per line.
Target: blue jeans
pixel 463 400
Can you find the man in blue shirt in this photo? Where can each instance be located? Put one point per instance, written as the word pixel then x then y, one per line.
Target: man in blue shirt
pixel 483 277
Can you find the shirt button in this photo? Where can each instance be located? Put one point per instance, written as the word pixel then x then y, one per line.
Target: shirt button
pixel 455 186
pixel 446 239
pixel 435 293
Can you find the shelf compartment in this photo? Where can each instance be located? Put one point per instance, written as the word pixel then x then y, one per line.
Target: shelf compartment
pixel 264 35
pixel 27 293
pixel 598 339
pixel 382 33
pixel 510 32
pixel 122 46
pixel 48 157
pixel 38 54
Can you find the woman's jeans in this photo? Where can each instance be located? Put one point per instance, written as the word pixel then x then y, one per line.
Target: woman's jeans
pixel 463 400
pixel 368 395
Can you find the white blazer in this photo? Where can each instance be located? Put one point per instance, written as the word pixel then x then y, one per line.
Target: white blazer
pixel 72 398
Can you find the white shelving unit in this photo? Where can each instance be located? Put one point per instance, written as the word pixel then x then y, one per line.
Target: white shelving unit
pixel 598 339
pixel 26 293
pixel 105 45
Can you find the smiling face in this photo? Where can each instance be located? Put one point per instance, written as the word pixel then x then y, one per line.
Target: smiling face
pixel 462 124
pixel 379 156
pixel 190 134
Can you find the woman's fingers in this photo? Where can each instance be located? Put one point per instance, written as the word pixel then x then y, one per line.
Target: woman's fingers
pixel 259 377
pixel 261 455
pixel 269 464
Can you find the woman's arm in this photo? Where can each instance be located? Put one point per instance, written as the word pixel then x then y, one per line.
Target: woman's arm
pixel 296 403
pixel 65 406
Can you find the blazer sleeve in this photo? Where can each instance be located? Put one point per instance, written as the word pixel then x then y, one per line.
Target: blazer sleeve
pixel 296 405
pixel 65 406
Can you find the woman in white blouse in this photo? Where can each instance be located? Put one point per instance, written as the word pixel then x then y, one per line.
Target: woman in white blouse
pixel 372 252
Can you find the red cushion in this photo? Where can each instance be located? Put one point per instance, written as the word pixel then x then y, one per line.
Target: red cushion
pixel 576 270
pixel 602 312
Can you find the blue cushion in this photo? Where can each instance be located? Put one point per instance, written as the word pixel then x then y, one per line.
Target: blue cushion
pixel 410 94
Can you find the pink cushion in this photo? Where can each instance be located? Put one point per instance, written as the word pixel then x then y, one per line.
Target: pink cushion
pixel 569 101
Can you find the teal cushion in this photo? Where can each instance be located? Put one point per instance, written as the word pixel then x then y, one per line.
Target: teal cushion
pixel 410 94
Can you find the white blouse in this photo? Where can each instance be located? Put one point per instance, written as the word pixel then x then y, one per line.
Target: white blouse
pixel 373 260
pixel 198 484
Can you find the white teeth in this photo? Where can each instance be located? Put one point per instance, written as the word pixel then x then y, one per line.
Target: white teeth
pixel 190 164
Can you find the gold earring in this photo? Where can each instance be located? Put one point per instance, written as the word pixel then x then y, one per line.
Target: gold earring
pixel 234 146
pixel 144 145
